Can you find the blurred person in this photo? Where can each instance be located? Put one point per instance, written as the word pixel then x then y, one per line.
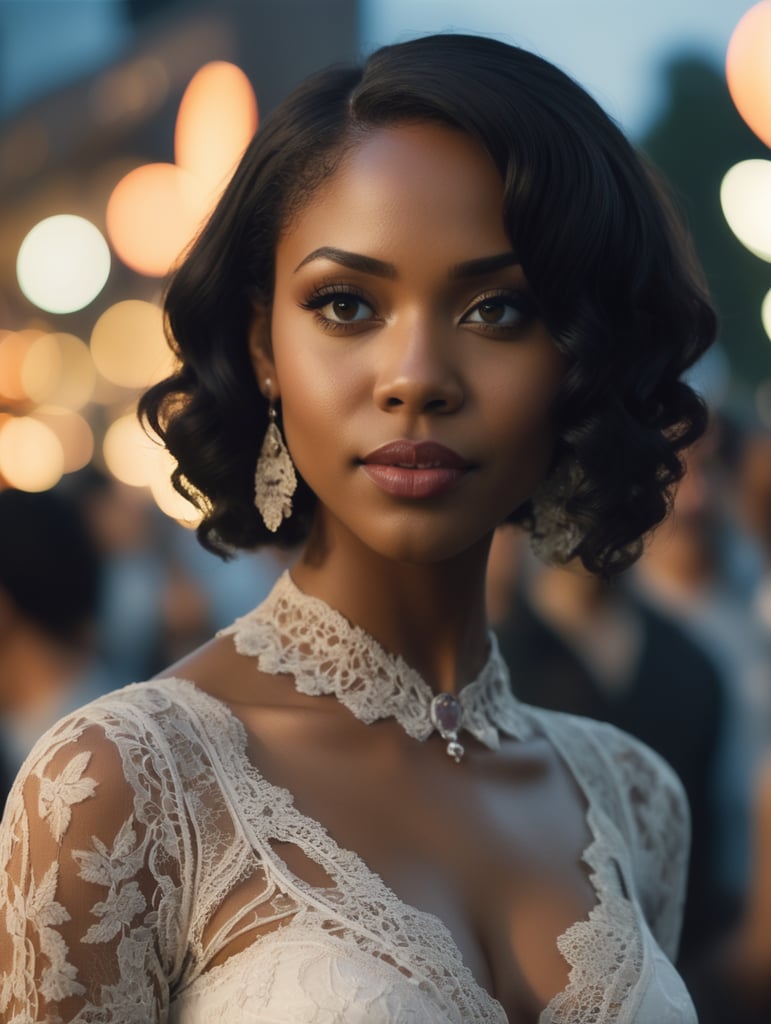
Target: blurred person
pixel 590 647
pixel 687 573
pixel 689 568
pixel 232 587
pixel 163 593
pixel 50 586
pixel 736 986
pixel 753 486
pixel 128 530
pixel 440 292
pixel 749 960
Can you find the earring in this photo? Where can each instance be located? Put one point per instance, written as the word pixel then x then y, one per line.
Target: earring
pixel 554 536
pixel 275 480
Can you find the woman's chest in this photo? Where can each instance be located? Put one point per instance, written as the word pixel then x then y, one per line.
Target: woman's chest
pixel 400 886
pixel 492 848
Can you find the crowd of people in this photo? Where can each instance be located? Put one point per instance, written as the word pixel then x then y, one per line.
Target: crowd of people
pixel 99 589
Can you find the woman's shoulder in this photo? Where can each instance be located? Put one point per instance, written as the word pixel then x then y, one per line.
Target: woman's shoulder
pixel 96 837
pixel 630 781
pixel 604 746
pixel 112 742
pixel 127 713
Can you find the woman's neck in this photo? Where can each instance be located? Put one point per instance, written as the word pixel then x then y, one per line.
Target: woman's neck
pixel 431 614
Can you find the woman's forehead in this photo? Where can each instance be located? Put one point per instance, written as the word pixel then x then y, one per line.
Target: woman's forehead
pixel 415 185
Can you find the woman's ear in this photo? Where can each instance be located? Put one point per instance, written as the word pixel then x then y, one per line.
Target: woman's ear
pixel 261 353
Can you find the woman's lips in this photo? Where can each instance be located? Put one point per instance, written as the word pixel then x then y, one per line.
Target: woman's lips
pixel 414 469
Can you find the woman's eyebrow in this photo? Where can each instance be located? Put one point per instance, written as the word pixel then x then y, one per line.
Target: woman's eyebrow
pixel 484 265
pixel 379 268
pixel 352 260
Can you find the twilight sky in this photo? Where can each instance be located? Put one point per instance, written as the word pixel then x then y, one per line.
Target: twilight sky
pixel 613 47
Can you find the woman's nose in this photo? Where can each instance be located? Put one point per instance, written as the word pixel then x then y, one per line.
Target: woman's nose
pixel 418 373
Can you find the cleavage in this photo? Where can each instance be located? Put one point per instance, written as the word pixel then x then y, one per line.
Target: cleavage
pixel 469 844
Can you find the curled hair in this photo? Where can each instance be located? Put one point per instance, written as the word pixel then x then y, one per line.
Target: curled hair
pixel 609 267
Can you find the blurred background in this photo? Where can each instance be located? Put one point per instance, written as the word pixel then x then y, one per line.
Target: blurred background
pixel 120 122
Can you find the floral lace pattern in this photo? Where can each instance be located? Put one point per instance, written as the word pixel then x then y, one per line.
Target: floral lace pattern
pixel 369 681
pixel 141 881
pixel 608 951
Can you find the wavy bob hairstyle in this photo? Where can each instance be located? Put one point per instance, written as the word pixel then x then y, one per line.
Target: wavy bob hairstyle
pixel 609 267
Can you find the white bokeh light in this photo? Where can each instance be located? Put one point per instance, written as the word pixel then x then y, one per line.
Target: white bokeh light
pixel 765 313
pixel 63 263
pixel 745 195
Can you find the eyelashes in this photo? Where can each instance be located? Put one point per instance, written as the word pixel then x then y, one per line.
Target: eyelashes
pixel 502 312
pixel 503 309
pixel 339 306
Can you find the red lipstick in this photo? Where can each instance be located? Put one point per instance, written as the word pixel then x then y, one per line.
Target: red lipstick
pixel 414 469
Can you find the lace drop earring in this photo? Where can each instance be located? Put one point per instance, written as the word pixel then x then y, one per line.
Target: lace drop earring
pixel 555 536
pixel 275 480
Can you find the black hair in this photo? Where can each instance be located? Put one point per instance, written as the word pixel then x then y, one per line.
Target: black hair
pixel 50 567
pixel 605 258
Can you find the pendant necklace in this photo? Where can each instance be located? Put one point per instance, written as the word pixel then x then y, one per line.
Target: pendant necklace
pixel 293 633
pixel 447 715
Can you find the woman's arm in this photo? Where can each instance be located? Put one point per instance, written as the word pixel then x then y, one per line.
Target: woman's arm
pixel 83 887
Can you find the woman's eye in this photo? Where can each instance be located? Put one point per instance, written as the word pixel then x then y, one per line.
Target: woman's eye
pixel 495 312
pixel 346 309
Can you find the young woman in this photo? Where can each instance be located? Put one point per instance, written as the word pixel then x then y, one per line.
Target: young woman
pixel 440 292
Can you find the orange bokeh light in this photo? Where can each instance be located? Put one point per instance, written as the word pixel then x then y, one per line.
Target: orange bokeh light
pixel 152 215
pixel 216 120
pixel 156 210
pixel 748 69
pixel 73 432
pixel 31 455
pixel 14 347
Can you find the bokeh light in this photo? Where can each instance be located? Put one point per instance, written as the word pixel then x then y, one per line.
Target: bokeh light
pixel 73 433
pixel 748 69
pixel 155 211
pixel 63 263
pixel 765 313
pixel 128 344
pixel 58 369
pixel 31 455
pixel 217 118
pixel 129 454
pixel 14 347
pixel 136 459
pixel 152 215
pixel 745 195
pixel 169 500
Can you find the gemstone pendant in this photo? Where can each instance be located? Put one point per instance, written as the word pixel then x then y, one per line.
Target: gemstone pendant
pixel 446 716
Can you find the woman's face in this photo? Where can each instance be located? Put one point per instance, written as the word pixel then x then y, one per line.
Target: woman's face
pixel 415 379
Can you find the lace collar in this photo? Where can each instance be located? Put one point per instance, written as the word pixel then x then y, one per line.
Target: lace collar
pixel 295 634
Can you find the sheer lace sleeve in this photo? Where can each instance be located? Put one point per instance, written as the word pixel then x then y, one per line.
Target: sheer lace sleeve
pixel 90 869
pixel 656 808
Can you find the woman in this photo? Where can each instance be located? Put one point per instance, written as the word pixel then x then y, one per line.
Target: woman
pixel 439 292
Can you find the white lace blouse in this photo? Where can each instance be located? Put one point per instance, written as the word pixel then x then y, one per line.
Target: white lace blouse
pixel 139 842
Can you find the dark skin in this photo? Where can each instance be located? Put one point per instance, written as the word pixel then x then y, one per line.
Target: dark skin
pixel 491 846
